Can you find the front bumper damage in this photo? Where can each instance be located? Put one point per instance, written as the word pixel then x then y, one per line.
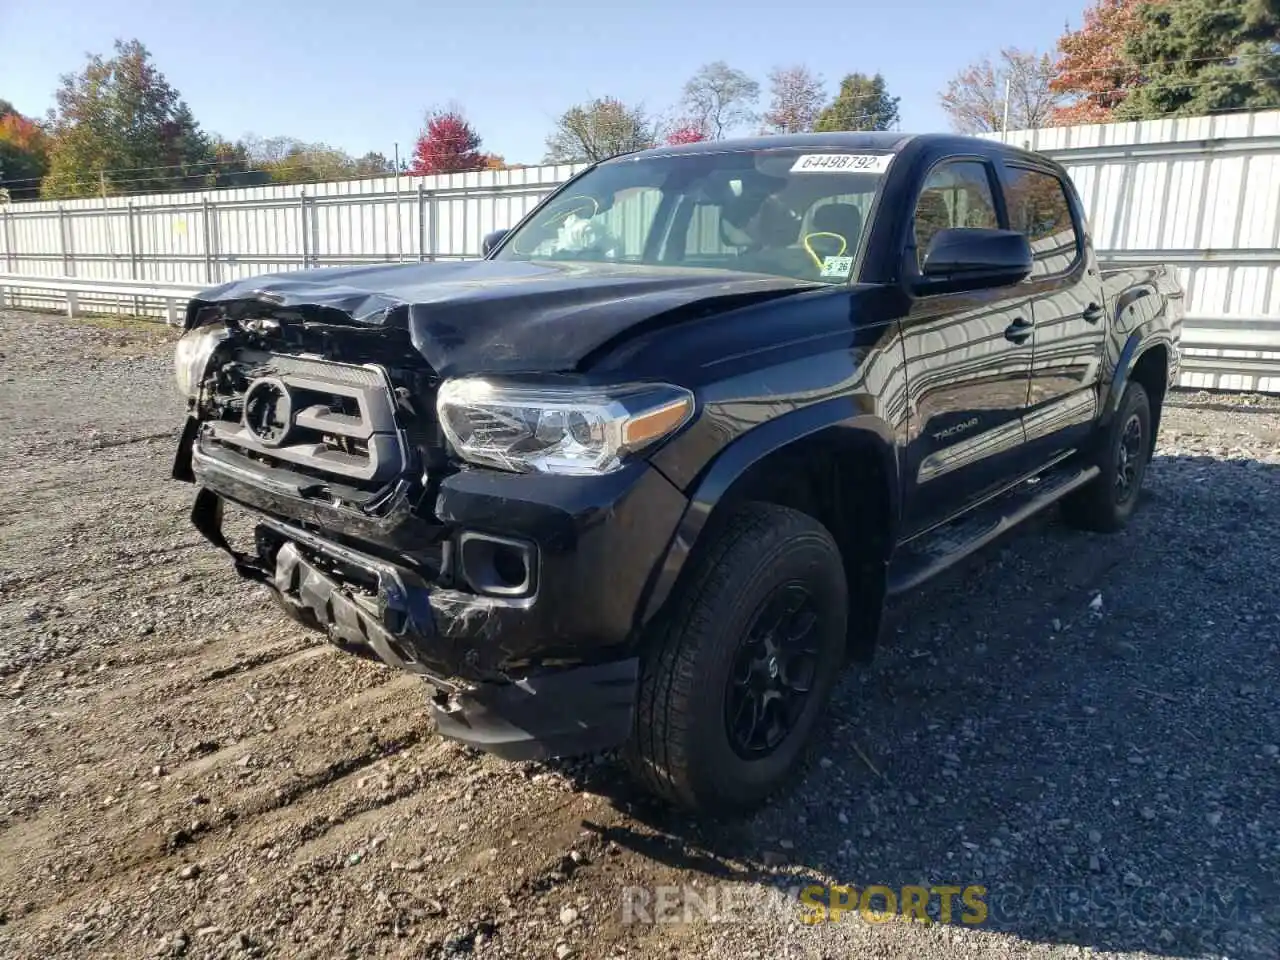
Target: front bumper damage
pixel 564 707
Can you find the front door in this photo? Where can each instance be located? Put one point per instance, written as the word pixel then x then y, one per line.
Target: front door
pixel 1067 309
pixel 968 361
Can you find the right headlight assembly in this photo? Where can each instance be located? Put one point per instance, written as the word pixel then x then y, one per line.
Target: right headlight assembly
pixel 192 355
pixel 578 431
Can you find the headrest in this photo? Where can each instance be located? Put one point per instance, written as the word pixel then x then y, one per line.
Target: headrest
pixel 842 218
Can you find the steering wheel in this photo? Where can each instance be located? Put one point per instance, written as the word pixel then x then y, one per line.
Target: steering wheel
pixel 563 215
pixel 813 255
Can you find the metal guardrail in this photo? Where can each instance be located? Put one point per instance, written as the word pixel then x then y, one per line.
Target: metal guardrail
pixel 173 295
pixel 1199 342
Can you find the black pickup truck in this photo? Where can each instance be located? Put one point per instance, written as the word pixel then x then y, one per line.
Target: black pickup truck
pixel 644 475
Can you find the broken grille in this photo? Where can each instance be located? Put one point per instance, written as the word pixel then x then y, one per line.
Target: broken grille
pixel 329 419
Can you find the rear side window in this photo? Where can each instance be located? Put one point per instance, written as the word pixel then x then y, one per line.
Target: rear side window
pixel 1039 208
pixel 956 194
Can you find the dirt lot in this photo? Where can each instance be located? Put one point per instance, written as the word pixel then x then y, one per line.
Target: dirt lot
pixel 184 772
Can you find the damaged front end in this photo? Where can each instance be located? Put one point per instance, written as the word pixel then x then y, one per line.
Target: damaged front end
pixel 323 431
pixel 322 428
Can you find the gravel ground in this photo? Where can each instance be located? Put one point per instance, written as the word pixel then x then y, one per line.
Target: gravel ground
pixel 1085 726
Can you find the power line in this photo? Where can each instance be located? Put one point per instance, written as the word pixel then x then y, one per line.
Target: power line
pixel 197 187
pixel 232 169
pixel 1183 84
pixel 230 166
pixel 1227 60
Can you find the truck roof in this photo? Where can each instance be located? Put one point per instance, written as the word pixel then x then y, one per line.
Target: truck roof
pixel 841 140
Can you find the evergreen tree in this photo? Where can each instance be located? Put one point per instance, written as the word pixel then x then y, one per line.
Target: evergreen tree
pixel 1204 56
pixel 863 103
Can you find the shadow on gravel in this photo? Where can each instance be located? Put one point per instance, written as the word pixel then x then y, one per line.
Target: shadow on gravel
pixel 1105 770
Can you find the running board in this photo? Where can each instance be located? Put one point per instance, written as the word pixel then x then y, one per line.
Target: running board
pixel 929 554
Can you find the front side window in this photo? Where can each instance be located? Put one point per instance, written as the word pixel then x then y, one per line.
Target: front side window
pixel 954 195
pixel 1038 207
pixel 782 212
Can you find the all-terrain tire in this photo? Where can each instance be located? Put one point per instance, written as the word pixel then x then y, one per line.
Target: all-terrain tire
pixel 1105 503
pixel 682 748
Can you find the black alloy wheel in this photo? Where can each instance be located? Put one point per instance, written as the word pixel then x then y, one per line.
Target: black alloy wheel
pixel 773 672
pixel 736 673
pixel 1105 503
pixel 1129 458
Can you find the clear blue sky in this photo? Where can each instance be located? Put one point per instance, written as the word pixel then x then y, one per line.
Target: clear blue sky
pixel 359 75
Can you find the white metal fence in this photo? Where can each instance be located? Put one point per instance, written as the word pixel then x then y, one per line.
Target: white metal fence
pixel 218 235
pixel 1200 193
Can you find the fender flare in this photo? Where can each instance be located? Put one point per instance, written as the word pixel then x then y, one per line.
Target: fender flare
pixel 1134 347
pixel 741 455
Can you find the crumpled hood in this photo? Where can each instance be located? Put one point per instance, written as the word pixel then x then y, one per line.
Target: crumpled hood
pixel 502 316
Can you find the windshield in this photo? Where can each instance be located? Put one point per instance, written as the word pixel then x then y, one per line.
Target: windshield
pixel 787 212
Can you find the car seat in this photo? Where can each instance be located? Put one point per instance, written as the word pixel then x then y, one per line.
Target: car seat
pixel 842 219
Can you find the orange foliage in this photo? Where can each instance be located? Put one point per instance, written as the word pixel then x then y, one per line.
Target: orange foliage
pixel 1092 67
pixel 22 133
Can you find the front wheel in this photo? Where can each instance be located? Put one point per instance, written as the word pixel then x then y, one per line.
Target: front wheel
pixel 735 679
pixel 1105 503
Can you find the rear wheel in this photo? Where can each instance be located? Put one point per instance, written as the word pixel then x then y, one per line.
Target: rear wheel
pixel 1105 503
pixel 735 679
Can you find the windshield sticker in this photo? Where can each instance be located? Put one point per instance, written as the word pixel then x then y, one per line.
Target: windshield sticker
pixel 837 267
pixel 842 163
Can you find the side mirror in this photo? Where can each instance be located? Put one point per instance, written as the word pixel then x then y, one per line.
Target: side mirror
pixel 491 240
pixel 974 258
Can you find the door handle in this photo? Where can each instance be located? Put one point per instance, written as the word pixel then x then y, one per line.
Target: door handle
pixel 1018 331
pixel 1092 313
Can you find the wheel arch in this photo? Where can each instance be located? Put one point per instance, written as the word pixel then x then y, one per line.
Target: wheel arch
pixel 840 469
pixel 1151 362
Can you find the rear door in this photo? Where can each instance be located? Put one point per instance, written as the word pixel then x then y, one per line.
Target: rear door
pixel 968 361
pixel 1067 309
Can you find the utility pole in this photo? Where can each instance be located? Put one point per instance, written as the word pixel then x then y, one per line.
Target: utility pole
pixel 399 231
pixel 1004 130
pixel 102 182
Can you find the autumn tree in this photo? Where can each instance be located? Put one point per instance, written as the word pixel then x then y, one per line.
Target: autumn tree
pixel 975 98
pixel 795 99
pixel 120 124
pixel 312 163
pixel 602 128
pixel 24 153
pixel 264 151
pixel 1093 70
pixel 685 131
pixel 719 99
pixel 230 165
pixel 447 144
pixel 863 103
pixel 374 164
pixel 288 160
pixel 1204 56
